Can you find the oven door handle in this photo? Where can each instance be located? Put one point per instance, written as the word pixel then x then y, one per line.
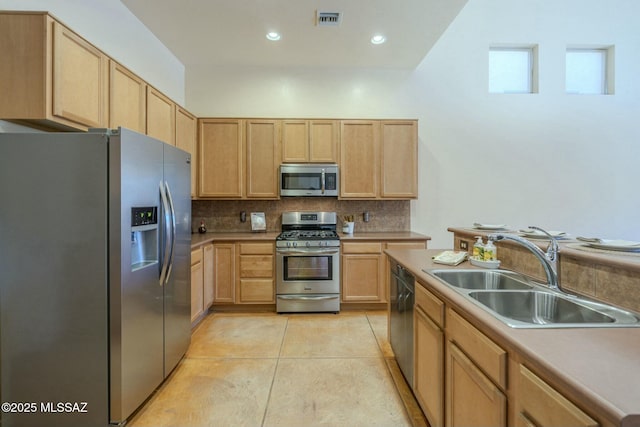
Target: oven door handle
pixel 307 251
pixel 310 298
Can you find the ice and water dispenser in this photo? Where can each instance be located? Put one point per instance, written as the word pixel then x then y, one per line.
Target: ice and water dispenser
pixel 144 237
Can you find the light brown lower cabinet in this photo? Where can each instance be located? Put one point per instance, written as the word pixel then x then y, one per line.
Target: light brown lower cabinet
pixel 428 379
pixel 224 274
pixel 201 280
pixel 207 275
pixel 472 399
pixel 539 405
pixel 365 271
pixel 362 272
pixel 197 282
pixel 256 273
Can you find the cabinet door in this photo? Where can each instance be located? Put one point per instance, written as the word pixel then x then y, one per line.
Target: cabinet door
pixel 196 284
pixel 224 283
pixel 295 141
pixel 471 398
pixel 399 159
pixel 24 38
pixel 207 275
pixel 363 272
pixel 323 141
pixel 428 367
pixel 127 99
pixel 161 116
pixel 80 79
pixel 263 158
pixel 542 406
pixel 359 159
pixel 221 158
pixel 186 139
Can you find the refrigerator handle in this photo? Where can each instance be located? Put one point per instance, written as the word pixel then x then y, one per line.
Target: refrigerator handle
pixel 167 231
pixel 172 245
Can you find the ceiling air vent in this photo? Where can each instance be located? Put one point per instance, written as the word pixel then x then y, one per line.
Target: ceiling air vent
pixel 329 18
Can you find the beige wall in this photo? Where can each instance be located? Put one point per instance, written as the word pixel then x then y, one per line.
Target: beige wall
pixel 564 162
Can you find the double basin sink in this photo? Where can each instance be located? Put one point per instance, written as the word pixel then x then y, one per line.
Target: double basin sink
pixel 522 303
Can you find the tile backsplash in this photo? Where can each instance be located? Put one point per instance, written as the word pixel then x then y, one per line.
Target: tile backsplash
pixel 224 215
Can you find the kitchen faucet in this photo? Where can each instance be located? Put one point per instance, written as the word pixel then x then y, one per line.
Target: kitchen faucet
pixel 549 259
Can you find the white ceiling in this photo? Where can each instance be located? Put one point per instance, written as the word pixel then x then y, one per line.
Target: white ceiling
pixel 232 32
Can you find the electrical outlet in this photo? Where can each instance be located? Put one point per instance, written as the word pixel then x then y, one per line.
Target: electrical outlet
pixel 464 245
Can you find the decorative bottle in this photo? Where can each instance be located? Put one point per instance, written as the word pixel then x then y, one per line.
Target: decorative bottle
pixel 490 251
pixel 478 248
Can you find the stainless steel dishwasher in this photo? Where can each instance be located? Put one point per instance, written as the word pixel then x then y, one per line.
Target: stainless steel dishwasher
pixel 402 295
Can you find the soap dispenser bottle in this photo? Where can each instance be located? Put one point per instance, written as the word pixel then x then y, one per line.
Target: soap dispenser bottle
pixel 478 248
pixel 490 251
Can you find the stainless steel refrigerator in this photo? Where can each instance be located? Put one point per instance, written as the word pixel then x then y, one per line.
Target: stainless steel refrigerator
pixel 94 274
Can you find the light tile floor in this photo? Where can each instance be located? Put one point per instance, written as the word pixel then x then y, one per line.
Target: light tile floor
pixel 281 370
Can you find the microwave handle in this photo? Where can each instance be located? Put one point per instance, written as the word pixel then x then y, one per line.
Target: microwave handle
pixel 322 182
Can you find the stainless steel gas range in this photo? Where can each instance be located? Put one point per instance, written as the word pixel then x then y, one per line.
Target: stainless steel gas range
pixel 308 263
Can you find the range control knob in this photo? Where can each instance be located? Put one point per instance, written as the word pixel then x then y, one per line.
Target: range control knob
pixel 308 244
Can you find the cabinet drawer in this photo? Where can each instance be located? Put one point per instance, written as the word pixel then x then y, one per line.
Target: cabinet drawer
pixel 489 357
pixel 362 248
pixel 256 248
pixel 430 304
pixel 256 266
pixel 542 405
pixel 196 256
pixel 256 290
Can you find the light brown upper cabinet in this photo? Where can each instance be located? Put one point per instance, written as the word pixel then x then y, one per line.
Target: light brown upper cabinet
pixel 263 158
pixel 399 159
pixel 49 75
pixel 310 141
pixel 359 159
pixel 239 158
pixel 221 158
pixel 379 159
pixel 161 116
pixel 187 139
pixel 127 99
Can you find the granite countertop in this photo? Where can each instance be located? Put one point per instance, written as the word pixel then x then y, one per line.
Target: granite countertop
pixel 597 367
pixel 202 239
pixel 625 260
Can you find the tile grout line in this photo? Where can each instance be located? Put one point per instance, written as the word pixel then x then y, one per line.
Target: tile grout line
pixel 275 371
pixel 375 337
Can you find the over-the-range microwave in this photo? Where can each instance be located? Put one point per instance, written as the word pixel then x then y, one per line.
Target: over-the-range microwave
pixel 314 180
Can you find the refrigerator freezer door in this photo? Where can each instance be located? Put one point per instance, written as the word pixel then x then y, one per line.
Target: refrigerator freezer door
pixel 136 295
pixel 53 277
pixel 177 290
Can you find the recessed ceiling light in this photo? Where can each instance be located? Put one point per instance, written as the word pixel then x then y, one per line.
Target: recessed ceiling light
pixel 378 39
pixel 273 36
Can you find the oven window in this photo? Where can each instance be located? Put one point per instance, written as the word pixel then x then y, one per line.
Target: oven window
pixel 308 267
pixel 301 181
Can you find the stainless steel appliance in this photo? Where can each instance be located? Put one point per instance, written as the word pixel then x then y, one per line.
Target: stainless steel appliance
pixel 309 180
pixel 402 292
pixel 95 234
pixel 308 263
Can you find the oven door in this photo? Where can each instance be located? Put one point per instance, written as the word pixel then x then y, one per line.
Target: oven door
pixel 308 271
